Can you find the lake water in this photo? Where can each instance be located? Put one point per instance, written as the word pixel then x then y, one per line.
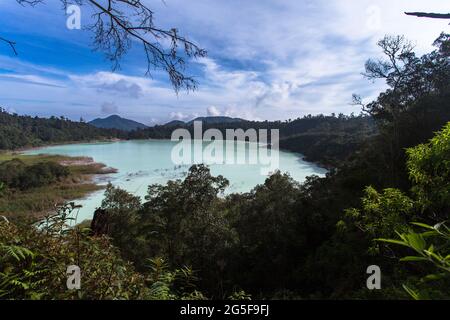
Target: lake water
pixel 144 162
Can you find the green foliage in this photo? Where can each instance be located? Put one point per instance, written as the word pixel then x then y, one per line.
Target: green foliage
pixel 183 220
pixel 240 295
pixel 407 114
pixel 118 217
pixel 172 285
pixel 431 246
pixel 118 200
pixel 331 140
pixel 180 221
pixel 21 131
pixel 429 169
pixel 34 258
pixel 28 280
pixel 270 232
pixel 16 174
pixel 34 261
pixel 382 213
pixel 256 241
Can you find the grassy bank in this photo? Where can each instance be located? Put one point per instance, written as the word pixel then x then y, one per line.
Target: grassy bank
pixel 37 201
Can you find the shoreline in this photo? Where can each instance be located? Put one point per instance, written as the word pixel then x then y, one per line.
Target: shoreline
pixel 30 148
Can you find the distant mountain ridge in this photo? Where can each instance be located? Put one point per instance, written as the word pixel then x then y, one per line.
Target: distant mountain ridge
pixel 175 123
pixel 117 122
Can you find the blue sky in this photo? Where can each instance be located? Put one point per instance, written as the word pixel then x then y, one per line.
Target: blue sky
pixel 275 59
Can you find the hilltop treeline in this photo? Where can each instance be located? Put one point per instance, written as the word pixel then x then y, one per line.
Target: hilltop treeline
pixel 282 239
pixel 24 131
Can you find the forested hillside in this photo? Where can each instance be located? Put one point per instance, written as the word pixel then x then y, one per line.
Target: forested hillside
pixel 116 122
pixel 24 131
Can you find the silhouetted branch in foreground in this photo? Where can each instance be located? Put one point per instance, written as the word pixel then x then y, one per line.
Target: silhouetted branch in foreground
pixel 10 43
pixel 117 24
pixel 429 15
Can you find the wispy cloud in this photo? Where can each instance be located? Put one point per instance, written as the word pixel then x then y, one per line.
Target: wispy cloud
pixel 112 83
pixel 31 79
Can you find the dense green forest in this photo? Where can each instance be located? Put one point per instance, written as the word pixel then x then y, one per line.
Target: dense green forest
pixel 24 131
pixel 386 202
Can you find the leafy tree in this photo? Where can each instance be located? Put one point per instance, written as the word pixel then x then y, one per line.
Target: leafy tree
pixel 180 221
pixel 416 102
pixel 118 217
pixel 269 227
pixel 429 169
pixel 382 213
pixel 15 174
pixel 184 222
pixel 387 215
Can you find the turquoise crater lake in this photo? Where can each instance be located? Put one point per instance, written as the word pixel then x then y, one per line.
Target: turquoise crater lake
pixel 144 162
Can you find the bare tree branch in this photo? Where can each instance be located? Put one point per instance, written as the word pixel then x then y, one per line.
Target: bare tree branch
pixel 119 23
pixel 29 2
pixel 429 15
pixel 10 43
pixel 114 31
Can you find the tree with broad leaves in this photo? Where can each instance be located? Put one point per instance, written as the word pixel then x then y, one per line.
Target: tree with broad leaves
pixel 117 23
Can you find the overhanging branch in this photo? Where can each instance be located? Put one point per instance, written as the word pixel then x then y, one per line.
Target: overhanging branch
pixel 118 23
pixel 10 43
pixel 429 15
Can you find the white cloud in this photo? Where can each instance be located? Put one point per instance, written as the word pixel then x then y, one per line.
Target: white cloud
pixel 178 116
pixel 32 79
pixel 114 83
pixel 212 111
pixel 109 108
